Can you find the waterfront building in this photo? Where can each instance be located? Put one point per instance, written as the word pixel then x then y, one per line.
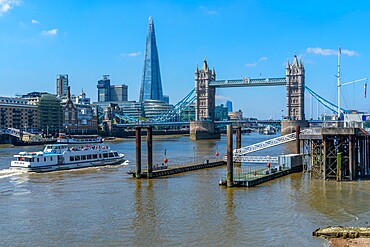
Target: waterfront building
pixel 78 114
pixel 235 115
pixel 50 111
pixel 62 84
pixel 151 84
pixel 188 114
pixel 155 108
pixel 108 92
pixel 229 105
pixel 17 113
pixel 221 113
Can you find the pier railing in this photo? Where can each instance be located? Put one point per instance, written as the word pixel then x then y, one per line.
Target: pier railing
pixel 252 172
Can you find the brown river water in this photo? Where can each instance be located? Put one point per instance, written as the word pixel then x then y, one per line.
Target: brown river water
pixel 107 207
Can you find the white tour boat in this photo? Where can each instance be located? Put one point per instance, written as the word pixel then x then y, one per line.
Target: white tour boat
pixel 79 139
pixel 61 157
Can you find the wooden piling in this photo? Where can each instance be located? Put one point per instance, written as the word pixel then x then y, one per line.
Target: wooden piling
pixel 149 143
pixel 138 152
pixel 230 167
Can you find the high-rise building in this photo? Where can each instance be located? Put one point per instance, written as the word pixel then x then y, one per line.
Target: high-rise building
pixel 108 92
pixel 118 93
pixel 229 105
pixel 104 89
pixel 62 84
pixel 151 84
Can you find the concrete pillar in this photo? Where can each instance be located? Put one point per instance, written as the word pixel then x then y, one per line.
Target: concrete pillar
pixel 230 167
pixel 138 152
pixel 298 140
pixel 150 151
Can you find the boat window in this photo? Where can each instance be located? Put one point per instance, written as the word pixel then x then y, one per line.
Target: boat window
pixel 83 157
pixel 111 155
pixel 95 156
pixel 32 160
pixel 44 158
pixel 72 158
pixel 38 160
pixel 89 156
pixel 77 158
pixel 115 154
pixel 51 158
pixel 99 155
pixel 105 155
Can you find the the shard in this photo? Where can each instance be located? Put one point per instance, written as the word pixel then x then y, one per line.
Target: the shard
pixel 151 84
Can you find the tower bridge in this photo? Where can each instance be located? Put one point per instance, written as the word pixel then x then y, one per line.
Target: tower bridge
pixel 205 92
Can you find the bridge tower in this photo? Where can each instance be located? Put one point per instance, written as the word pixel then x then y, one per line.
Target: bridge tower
pixel 204 127
pixel 295 84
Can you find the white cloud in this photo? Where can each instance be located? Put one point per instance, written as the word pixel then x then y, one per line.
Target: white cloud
pixel 35 22
pixel 131 54
pixel 209 11
pixel 6 5
pixel 256 63
pixel 329 52
pixel 134 54
pixel 220 97
pixel 51 32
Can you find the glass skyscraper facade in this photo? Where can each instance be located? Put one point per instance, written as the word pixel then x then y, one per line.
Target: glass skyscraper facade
pixel 151 84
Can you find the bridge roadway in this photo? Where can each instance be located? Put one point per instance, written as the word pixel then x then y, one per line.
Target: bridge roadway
pixel 260 123
pixel 187 123
pixel 248 82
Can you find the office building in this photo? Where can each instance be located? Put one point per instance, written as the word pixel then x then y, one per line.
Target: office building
pixel 62 84
pixel 151 84
pixel 111 93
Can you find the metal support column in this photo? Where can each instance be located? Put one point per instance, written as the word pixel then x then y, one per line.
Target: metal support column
pixel 149 132
pixel 351 155
pixel 138 152
pixel 325 154
pixel 339 166
pixel 230 167
pixel 238 141
pixel 298 141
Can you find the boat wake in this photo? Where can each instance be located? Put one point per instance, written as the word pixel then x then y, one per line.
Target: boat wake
pixel 9 173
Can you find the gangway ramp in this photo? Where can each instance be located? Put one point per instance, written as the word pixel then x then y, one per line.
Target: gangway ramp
pixel 267 144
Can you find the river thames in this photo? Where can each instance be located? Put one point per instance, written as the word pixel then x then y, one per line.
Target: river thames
pixel 107 207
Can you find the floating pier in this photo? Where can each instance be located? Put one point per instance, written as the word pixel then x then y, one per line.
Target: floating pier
pixel 162 171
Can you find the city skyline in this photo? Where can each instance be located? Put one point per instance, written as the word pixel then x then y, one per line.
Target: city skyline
pixel 239 38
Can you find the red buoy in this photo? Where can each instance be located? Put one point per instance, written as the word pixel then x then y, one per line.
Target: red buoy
pixel 217 154
pixel 268 165
pixel 165 160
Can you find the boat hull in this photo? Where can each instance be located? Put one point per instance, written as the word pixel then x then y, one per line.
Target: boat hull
pixel 69 166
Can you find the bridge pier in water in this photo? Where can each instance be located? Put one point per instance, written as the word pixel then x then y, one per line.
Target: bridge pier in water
pixel 201 130
pixel 337 153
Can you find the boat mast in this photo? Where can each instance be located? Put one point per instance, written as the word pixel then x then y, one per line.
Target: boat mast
pixel 338 79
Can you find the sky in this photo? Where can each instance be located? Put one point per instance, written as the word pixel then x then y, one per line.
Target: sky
pixel 239 38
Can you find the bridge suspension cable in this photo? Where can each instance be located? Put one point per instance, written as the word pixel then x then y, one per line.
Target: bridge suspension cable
pixel 326 103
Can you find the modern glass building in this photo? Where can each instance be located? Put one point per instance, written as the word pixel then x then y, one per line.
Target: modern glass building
pixel 151 84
